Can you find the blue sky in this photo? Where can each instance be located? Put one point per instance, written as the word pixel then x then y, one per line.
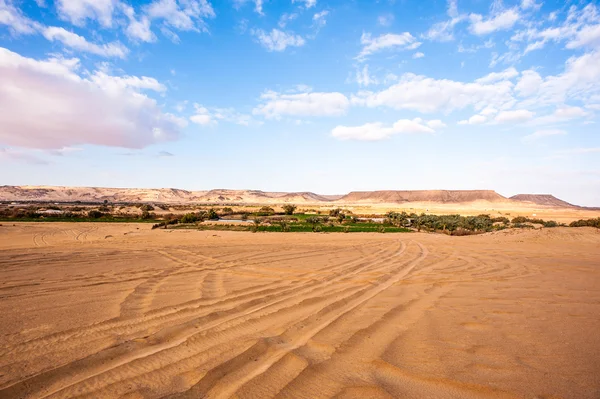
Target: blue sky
pixel 302 95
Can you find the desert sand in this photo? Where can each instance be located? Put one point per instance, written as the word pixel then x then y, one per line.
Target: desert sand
pixel 117 310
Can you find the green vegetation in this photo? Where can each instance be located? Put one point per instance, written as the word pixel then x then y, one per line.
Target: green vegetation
pixel 298 228
pixel 266 219
pixel 289 209
pixel 586 223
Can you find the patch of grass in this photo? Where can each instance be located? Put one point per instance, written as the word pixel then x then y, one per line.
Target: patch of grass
pixel 298 228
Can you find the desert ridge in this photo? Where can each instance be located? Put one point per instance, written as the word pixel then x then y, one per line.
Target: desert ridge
pixel 178 196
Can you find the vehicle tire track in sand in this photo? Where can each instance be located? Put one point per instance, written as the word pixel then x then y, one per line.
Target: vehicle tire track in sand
pixel 67 340
pixel 285 311
pixel 264 354
pixel 258 306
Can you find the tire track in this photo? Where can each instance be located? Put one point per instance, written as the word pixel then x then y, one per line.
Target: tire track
pixel 262 358
pixel 130 327
pixel 258 305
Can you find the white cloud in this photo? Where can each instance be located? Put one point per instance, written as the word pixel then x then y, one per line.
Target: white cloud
pixel 258 7
pixel 205 116
pixel 580 80
pixel 116 84
pixel 285 18
pixel 385 20
pixel 444 31
pixel 319 19
pixel 363 78
pixel 307 3
pixel 588 36
pixel 530 4
pixel 277 40
pixel 182 15
pixel 202 116
pixel 436 124
pixel 561 114
pixel 78 11
pixel 276 105
pixel 529 83
pixel 404 41
pixel 17 22
pixel 474 120
pixel 507 74
pixel 514 116
pixel 378 131
pixel 47 104
pixel 502 21
pixel 77 42
pixel 568 112
pixel 418 55
pixel 423 94
pixel 138 29
pixel 581 28
pixel 538 134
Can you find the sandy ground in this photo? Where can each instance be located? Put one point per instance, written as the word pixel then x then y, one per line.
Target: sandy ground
pixel 107 310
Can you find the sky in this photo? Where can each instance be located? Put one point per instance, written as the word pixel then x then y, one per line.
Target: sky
pixel 302 95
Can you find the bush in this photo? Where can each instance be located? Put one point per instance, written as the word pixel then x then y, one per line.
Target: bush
pixel 550 223
pixel 95 214
pixel 212 214
pixel 189 218
pixel 226 211
pixel 289 209
pixel 313 220
pixel 266 211
pixel 146 208
pixel 583 223
pixel 335 212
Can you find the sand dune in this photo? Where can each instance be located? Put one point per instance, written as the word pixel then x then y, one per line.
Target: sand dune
pixel 108 310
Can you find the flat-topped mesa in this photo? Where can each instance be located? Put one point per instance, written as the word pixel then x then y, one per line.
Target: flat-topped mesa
pixel 439 196
pixel 543 199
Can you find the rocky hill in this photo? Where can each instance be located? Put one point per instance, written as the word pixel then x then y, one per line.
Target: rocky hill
pixel 224 196
pixel 543 199
pixel 438 196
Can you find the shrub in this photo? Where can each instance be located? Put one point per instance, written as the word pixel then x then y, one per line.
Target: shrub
pixel 244 216
pixel 550 223
pixel 380 229
pixel 284 226
pixel 189 218
pixel 212 214
pixel 266 211
pixel 289 209
pixel 226 211
pixel 335 212
pixel 584 223
pixel 147 208
pixel 313 220
pixel 95 214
